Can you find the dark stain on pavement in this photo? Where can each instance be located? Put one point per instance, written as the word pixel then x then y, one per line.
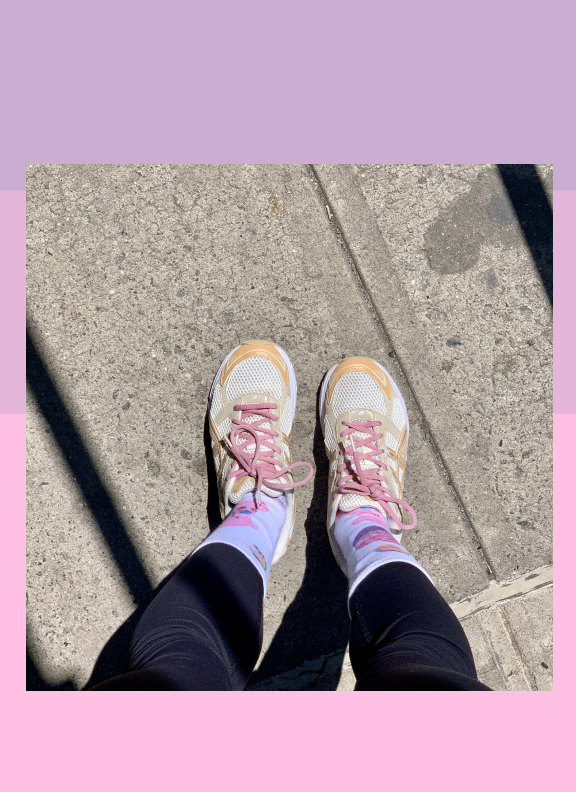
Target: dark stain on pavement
pixel 526 525
pixel 482 216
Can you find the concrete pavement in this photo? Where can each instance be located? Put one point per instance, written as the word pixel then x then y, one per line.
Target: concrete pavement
pixel 141 278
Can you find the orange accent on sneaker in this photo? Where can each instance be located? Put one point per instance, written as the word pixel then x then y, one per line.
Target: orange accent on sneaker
pixel 359 364
pixel 256 349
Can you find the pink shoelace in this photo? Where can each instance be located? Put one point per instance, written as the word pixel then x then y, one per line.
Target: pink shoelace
pixel 371 481
pixel 260 463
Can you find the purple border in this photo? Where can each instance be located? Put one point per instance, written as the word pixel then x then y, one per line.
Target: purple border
pixel 13 173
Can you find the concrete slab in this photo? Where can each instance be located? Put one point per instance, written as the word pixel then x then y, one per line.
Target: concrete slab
pixel 509 627
pixel 498 593
pixel 448 269
pixel 497 662
pixel 530 621
pixel 140 280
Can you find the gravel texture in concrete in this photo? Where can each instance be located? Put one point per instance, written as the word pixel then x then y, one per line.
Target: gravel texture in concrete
pixel 140 280
pixel 452 276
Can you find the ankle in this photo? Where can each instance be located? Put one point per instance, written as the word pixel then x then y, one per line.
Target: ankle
pixel 253 527
pixel 366 543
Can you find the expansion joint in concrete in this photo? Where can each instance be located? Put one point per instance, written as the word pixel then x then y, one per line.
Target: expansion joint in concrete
pixel 379 323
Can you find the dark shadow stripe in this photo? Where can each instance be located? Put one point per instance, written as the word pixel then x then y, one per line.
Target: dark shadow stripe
pixel 113 659
pixel 35 680
pixel 84 471
pixel 212 498
pixel 534 213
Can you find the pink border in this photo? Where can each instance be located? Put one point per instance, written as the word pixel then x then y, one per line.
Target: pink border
pixel 311 741
pixel 564 292
pixel 298 741
pixel 12 311
pixel 564 550
pixel 12 581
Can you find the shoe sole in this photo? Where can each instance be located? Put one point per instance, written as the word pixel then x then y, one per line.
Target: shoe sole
pixel 283 540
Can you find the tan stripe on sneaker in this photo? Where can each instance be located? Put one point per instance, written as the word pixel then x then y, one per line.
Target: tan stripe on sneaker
pixel 359 364
pixel 256 349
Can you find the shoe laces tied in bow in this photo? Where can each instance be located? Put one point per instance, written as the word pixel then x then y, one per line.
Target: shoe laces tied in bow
pixel 369 479
pixel 252 444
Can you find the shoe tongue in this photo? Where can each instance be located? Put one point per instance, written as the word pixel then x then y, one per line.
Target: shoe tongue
pixel 250 447
pixel 350 502
pixel 248 484
pixel 365 464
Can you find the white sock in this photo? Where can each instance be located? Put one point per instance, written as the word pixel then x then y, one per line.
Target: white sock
pixel 253 529
pixel 366 544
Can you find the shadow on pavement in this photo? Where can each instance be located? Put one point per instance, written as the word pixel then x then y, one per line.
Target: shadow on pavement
pixel 212 500
pixel 85 474
pixel 100 504
pixel 534 213
pixel 316 623
pixel 35 680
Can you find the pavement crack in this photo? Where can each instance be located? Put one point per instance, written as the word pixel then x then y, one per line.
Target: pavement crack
pixel 377 319
pixel 525 666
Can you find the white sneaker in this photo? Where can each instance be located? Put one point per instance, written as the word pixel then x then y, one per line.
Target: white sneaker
pixel 251 410
pixel 365 427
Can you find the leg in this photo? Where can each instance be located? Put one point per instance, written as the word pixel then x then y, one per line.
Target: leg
pixel 203 631
pixel 404 635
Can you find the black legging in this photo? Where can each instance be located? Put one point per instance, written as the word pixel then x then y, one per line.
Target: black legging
pixel 203 631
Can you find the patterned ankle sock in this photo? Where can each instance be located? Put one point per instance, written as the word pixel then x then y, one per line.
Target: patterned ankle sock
pixel 366 543
pixel 253 530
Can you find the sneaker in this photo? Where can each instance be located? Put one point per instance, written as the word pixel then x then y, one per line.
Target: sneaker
pixel 365 427
pixel 251 410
